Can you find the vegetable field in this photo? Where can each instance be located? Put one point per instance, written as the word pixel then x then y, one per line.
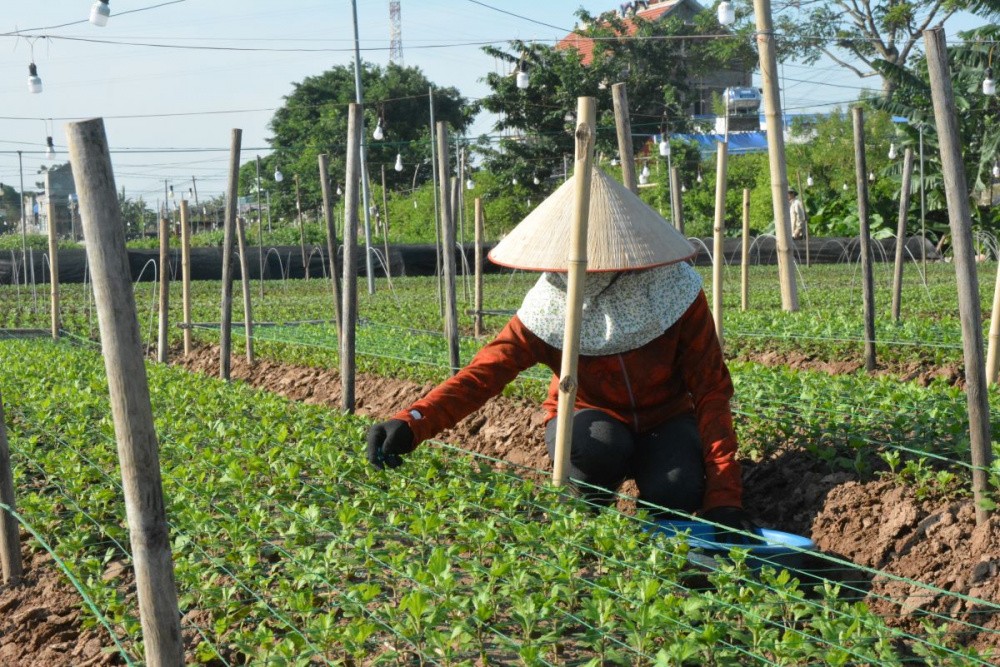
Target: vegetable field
pixel 290 550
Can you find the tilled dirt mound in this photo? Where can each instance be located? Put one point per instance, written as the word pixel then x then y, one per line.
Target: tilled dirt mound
pixel 40 620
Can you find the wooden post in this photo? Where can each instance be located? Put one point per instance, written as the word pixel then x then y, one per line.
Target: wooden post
pixel 745 257
pixel 992 353
pixel 302 225
pixel 229 225
pixel 53 259
pixel 960 221
pixel 805 223
pixel 776 152
pixel 867 278
pixel 904 210
pixel 478 302
pixel 350 298
pixel 623 126
pixel 10 540
pixel 448 250
pixel 577 269
pixel 719 252
pixel 121 344
pixel 164 274
pixel 331 242
pixel 186 274
pixel 676 202
pixel 241 238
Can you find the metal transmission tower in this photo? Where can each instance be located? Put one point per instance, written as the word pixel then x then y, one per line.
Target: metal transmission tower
pixel 395 33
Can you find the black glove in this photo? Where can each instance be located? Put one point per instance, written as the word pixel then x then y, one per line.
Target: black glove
pixel 387 441
pixel 734 518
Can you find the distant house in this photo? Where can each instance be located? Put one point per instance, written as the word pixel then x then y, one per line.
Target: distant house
pixel 739 75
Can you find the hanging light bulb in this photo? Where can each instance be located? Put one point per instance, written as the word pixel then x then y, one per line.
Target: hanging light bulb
pixel 871 176
pixel 727 13
pixel 989 83
pixel 34 81
pixel 522 80
pixel 469 185
pixel 340 192
pixel 379 133
pixel 996 170
pixel 171 192
pixel 809 181
pixel 278 176
pixel 664 147
pixel 190 194
pixel 50 151
pixel 892 151
pixel 535 180
pixel 645 171
pixel 614 162
pixel 644 177
pixel 399 162
pixel 683 188
pixel 845 187
pixel 513 181
pixel 99 13
pixel 414 203
pixel 699 179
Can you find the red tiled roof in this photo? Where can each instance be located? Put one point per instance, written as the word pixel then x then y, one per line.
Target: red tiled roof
pixel 585 45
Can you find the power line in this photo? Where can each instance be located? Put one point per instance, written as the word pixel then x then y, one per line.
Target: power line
pixel 81 21
pixel 519 16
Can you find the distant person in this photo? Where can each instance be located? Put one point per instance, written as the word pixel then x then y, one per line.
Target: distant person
pixel 653 398
pixel 798 212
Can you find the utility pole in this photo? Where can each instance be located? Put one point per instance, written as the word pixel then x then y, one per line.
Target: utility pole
pixel 365 194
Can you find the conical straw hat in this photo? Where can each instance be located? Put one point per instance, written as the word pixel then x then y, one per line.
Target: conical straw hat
pixel 623 233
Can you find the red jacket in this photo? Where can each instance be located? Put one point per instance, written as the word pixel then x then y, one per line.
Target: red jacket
pixel 680 372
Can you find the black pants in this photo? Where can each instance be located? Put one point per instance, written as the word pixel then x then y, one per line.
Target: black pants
pixel 666 463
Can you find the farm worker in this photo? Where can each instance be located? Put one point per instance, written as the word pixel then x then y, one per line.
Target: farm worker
pixel 653 396
pixel 798 213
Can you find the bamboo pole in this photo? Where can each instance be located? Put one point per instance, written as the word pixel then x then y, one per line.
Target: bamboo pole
pixel 385 229
pixel 186 274
pixel 164 275
pixel 904 210
pixel 447 224
pixel 302 225
pixel 331 242
pixel 805 223
pixel 350 284
pixel 677 202
pixel 992 355
pixel 745 256
pixel 53 259
pixel 623 127
pixel 241 239
pixel 719 252
pixel 478 304
pixel 960 221
pixel 229 225
pixel 10 540
pixel 121 343
pixel 776 152
pixel 577 269
pixel 867 280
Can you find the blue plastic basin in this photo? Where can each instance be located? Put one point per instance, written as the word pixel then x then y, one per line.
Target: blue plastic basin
pixel 775 548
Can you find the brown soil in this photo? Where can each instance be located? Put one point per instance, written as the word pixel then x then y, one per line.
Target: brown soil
pixel 40 620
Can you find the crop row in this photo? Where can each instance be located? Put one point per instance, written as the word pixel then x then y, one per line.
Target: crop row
pixel 289 550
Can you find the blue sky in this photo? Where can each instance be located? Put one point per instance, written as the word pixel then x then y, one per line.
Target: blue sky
pixel 242 88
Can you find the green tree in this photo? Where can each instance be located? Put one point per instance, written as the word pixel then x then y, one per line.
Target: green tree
pixel 313 120
pixel 136 215
pixel 858 34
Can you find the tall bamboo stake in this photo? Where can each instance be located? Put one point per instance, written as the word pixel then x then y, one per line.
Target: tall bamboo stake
pixel 447 223
pixel 478 304
pixel 676 201
pixel 960 221
pixel 331 242
pixel 623 127
pixel 776 152
pixel 805 223
pixel 229 225
pixel 385 229
pixel 186 274
pixel 53 259
pixel 586 113
pixel 121 343
pixel 868 280
pixel 904 210
pixel 241 238
pixel 164 274
pixel 350 285
pixel 992 355
pixel 302 226
pixel 745 256
pixel 10 540
pixel 719 252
